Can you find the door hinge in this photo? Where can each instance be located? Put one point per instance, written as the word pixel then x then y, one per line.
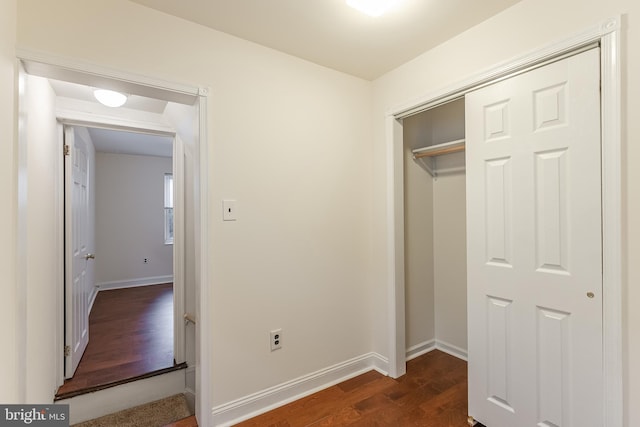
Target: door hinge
pixel 66 150
pixel 67 350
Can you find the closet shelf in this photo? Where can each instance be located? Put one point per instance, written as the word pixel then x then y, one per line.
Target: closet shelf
pixel 426 157
pixel 439 149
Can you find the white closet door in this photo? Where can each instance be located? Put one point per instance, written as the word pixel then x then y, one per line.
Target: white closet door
pixel 534 249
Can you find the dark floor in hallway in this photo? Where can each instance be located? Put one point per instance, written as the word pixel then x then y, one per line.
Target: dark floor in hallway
pixel 130 336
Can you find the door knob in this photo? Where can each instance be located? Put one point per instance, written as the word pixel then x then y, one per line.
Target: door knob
pixel 590 294
pixel 89 256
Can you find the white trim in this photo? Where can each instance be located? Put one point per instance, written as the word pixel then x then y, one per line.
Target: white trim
pixel 507 68
pixel 204 352
pixel 255 404
pixel 46 65
pixel 420 349
pixel 190 386
pixel 433 344
pixel 395 253
pixel 608 34
pixel 612 224
pixel 81 118
pixel 92 299
pixel 452 350
pixel 134 283
pixel 179 251
pixel 60 259
pixel 258 403
pixel 22 250
pixel 379 363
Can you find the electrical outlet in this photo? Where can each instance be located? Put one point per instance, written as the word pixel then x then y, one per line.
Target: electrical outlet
pixel 276 339
pixel 146 261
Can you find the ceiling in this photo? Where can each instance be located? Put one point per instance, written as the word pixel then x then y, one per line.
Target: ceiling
pixel 326 32
pixel 123 142
pixel 332 34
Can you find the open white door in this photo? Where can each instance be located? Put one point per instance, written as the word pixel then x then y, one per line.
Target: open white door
pixel 77 248
pixel 534 247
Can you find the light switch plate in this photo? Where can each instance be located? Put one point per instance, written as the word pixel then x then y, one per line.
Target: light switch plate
pixel 229 210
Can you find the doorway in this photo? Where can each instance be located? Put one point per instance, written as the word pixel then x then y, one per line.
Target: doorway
pixel 126 257
pixel 183 116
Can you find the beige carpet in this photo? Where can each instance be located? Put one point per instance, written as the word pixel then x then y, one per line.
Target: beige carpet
pixel 154 414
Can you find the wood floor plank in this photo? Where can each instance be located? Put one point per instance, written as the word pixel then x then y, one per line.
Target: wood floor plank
pixel 433 393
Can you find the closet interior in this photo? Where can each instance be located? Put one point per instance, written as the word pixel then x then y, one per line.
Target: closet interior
pixel 435 229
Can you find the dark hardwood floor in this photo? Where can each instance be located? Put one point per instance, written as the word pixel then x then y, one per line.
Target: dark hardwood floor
pixel 433 393
pixel 130 336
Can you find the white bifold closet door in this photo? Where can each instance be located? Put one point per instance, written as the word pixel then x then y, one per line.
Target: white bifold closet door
pixel 534 248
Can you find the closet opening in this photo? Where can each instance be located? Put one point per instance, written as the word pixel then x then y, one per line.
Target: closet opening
pixel 435 230
pixel 412 170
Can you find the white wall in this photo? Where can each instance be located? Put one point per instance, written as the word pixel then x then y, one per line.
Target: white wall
pixel 419 253
pixel 130 219
pixel 450 260
pixel 290 141
pixel 528 25
pixel 9 392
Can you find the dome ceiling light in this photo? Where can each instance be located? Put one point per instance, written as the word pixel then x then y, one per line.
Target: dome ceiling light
pixel 110 98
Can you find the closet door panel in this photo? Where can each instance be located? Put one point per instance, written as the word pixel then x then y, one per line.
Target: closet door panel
pixel 552 222
pixel 534 248
pixel 498 211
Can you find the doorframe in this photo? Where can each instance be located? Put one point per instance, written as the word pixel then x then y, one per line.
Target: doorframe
pixel 84 73
pixel 607 34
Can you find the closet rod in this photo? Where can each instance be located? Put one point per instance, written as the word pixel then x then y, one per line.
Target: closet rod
pixel 439 149
pixel 439 152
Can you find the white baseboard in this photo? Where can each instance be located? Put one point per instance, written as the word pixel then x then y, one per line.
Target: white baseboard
pixel 92 298
pixel 453 350
pixel 132 283
pixel 190 387
pixel 433 344
pixel 247 407
pixel 420 349
pixel 93 405
pixel 233 412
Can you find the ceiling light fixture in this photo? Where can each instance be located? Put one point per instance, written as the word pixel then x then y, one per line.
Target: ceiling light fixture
pixel 110 98
pixel 372 7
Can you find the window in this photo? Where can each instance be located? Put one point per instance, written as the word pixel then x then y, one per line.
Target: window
pixel 168 209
